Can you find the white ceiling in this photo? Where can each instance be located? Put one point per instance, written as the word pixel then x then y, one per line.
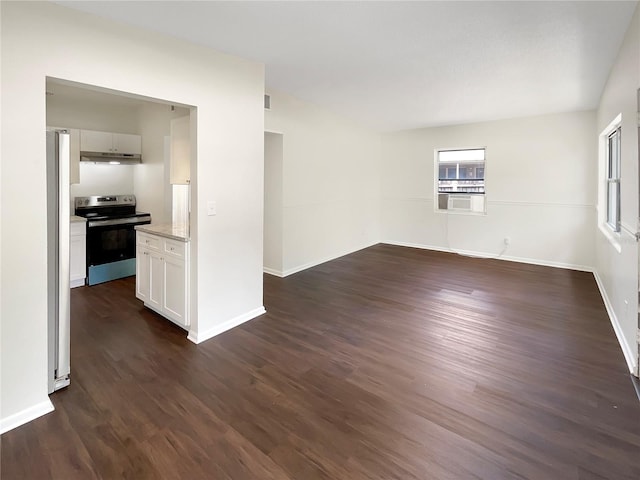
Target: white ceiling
pixel 397 65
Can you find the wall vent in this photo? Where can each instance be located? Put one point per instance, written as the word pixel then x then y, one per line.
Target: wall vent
pixel 267 102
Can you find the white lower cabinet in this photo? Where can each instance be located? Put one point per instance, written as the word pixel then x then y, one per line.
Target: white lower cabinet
pixel 173 294
pixel 162 276
pixel 77 253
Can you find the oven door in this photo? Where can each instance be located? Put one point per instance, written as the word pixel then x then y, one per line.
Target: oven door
pixel 112 240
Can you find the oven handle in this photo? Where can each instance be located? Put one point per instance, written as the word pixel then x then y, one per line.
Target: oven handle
pixel 120 221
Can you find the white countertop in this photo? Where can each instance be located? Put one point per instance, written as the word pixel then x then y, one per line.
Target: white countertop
pixel 76 219
pixel 168 230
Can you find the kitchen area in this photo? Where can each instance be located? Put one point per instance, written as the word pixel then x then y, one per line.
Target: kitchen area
pixel 121 182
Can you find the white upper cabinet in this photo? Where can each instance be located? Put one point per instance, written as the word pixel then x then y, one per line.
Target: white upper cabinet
pixel 94 141
pixel 125 143
pixel 180 170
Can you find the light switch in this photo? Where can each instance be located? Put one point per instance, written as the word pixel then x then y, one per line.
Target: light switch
pixel 211 208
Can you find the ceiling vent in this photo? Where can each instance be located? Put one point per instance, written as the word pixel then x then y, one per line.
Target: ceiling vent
pixel 267 102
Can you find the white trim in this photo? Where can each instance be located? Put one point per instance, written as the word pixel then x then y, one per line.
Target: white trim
pixel 197 337
pixel 500 202
pixel 26 415
pixel 541 204
pixel 611 236
pixel 531 261
pixel 272 271
pixel 601 207
pixel 629 356
pixel 462 212
pixel 315 263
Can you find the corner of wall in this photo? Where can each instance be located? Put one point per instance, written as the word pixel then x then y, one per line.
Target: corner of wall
pixel 26 415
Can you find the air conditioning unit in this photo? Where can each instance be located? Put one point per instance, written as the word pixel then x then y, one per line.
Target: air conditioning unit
pixel 461 202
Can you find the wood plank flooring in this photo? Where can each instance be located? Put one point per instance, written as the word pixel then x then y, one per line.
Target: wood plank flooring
pixel 389 363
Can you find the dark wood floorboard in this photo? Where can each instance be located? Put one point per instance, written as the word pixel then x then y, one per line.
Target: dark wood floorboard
pixel 389 363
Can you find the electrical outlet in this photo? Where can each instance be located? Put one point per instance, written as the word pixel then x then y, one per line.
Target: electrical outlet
pixel 507 240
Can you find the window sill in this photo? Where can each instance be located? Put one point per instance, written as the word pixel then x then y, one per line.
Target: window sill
pixel 462 212
pixel 613 237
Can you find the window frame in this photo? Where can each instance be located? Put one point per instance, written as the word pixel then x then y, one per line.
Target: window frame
pixel 613 164
pixel 607 230
pixel 436 183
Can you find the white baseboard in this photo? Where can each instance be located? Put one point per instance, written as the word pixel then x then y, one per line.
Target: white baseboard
pixel 508 258
pixel 26 415
pixel 272 271
pixel 199 337
pixel 315 263
pixel 627 350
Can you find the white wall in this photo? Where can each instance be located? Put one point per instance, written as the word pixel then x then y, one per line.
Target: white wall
pixel 96 179
pixel 617 272
pixel 68 112
pixel 539 184
pixel 331 183
pixel 273 202
pixel 44 39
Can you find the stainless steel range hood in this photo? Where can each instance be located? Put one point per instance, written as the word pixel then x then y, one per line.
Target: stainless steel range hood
pixel 111 158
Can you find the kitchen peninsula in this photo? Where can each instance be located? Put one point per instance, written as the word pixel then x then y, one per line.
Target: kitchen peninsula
pixel 162 270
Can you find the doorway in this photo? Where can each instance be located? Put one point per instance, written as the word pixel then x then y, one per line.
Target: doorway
pixel 78 108
pixel 273 203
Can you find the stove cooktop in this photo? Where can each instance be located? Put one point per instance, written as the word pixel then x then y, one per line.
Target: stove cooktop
pixel 103 216
pixel 107 207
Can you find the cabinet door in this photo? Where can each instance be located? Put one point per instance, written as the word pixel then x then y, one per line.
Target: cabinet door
pixel 93 141
pixel 125 143
pixel 77 260
pixel 143 273
pixel 180 162
pixel 175 290
pixel 156 280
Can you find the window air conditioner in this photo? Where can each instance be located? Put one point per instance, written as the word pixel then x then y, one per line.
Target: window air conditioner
pixel 459 203
pixel 443 201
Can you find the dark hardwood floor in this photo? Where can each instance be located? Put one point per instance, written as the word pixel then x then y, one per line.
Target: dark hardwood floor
pixel 390 363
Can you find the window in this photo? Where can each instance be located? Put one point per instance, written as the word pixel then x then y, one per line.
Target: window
pixel 461 171
pixel 613 180
pixel 460 185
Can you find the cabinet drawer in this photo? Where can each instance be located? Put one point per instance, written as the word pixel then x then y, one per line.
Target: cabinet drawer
pixel 150 241
pixel 174 248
